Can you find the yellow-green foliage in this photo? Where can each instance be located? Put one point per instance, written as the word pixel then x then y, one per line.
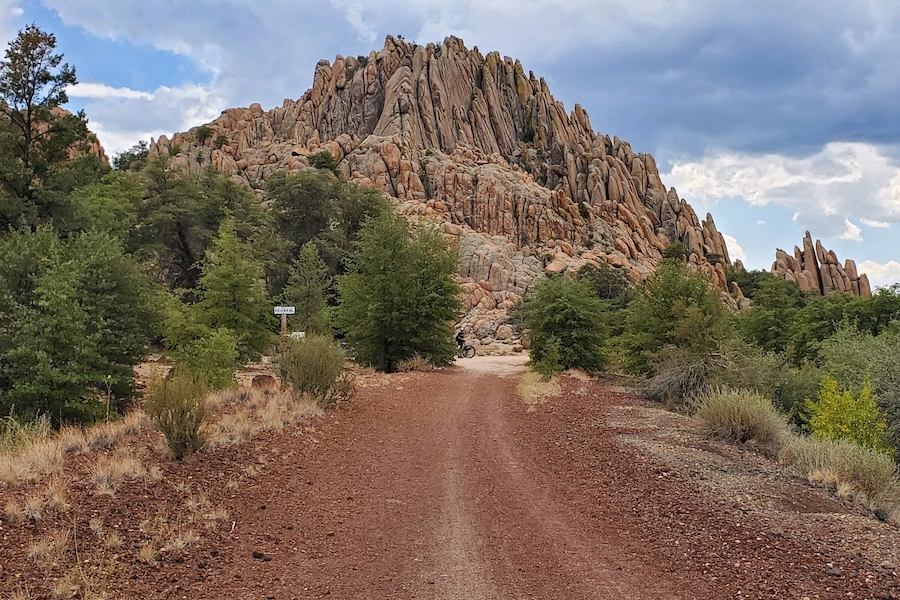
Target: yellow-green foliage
pixel 838 415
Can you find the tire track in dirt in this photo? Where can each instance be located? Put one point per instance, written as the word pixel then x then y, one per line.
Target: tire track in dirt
pixel 443 486
pixel 422 491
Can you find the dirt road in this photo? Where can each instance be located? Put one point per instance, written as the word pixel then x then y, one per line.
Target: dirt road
pixel 443 486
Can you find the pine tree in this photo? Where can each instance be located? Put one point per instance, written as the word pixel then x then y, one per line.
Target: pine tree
pixel 35 136
pixel 306 290
pixel 233 294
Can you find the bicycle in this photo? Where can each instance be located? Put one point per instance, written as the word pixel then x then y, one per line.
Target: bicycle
pixel 466 351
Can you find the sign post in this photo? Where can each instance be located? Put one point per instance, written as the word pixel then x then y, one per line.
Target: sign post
pixel 284 311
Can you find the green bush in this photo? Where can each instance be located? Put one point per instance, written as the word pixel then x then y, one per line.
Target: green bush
pixel 838 415
pixel 177 407
pixel 76 315
pixel 314 366
pixel 549 363
pixel 323 160
pixel 853 357
pixel 675 307
pixel 213 358
pixel 742 416
pixel 564 317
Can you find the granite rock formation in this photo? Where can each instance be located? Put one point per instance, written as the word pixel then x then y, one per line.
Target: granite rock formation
pixel 816 269
pixel 473 143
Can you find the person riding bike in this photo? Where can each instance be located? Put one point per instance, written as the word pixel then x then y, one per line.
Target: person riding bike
pixel 460 340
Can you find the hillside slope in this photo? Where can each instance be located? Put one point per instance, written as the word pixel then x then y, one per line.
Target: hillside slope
pixel 474 143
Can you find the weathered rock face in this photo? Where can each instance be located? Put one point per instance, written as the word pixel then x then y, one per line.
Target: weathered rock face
pixel 815 269
pixel 475 144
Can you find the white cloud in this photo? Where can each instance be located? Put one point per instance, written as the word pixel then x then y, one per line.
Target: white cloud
pixel 10 18
pixel 121 117
pixel 735 251
pixel 825 190
pixel 101 90
pixel 852 233
pixel 881 274
pixel 871 223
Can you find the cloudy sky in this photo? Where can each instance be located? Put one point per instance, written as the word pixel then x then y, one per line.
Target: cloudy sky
pixel 777 116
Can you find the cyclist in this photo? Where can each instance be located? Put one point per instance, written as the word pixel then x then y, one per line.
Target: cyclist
pixel 460 340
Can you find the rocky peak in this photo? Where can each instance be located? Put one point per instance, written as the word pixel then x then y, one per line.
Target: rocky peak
pixel 472 141
pixel 816 269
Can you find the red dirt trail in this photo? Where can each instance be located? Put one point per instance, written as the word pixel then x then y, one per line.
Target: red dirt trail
pixel 443 486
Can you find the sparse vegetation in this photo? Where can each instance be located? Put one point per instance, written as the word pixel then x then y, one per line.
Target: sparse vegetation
pixel 416 363
pixel 868 472
pixel 533 388
pixel 177 408
pixel 313 366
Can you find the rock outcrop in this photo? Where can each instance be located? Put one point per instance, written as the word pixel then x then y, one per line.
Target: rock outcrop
pixel 474 143
pixel 816 269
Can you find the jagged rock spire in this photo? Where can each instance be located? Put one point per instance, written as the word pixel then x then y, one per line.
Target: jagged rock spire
pixel 476 142
pixel 816 269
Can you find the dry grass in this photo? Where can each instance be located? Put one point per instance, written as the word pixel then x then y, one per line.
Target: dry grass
pixel 50 548
pixel 260 410
pixel 55 496
pixel 865 475
pixel 416 363
pixel 37 454
pixel 96 526
pixel 109 474
pixel 77 585
pixel 742 416
pixel 147 553
pixel 34 507
pixel 15 434
pixel 534 390
pixel 166 535
pixel 113 540
pixel 34 462
pixel 15 514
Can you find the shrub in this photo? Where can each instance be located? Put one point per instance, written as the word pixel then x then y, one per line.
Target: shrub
pixel 213 358
pixel 680 376
pixel 841 461
pixel 853 357
pixel 675 307
pixel 548 364
pixel 314 366
pixel 840 416
pixel 565 321
pixel 323 160
pixel 177 408
pixel 741 416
